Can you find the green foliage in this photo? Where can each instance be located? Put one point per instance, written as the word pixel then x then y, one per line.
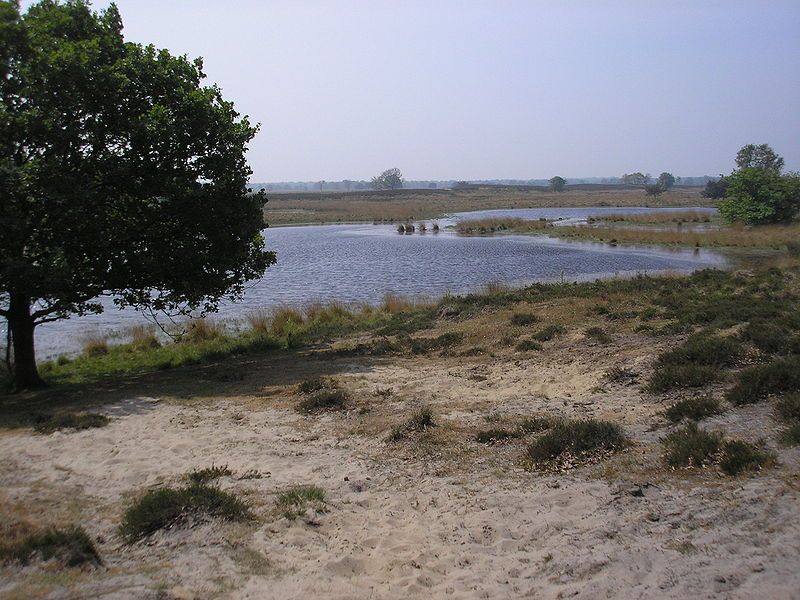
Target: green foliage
pixel 716 189
pixel 666 180
pixel 694 364
pixel 122 174
pixel 788 407
pixel 321 400
pixel 295 502
pixel 536 424
pixel 693 409
pixel 72 547
pixel 75 421
pixel 169 507
pixel 548 333
pixel 577 437
pixel 690 446
pixel 738 456
pixel 757 383
pixel 390 179
pixel 653 189
pixel 521 319
pixel 203 476
pixel 442 342
pixel 759 156
pixel 557 183
pixel 758 196
pixel 528 345
pixel 682 376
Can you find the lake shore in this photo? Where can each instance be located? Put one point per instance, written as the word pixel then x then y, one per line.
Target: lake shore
pixel 440 509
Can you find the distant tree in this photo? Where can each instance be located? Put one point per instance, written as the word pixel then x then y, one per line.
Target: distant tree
pixel 390 179
pixel 653 189
pixel 460 185
pixel 716 189
pixel 637 178
pixel 432 185
pixel 557 183
pixel 756 196
pixel 120 175
pixel 759 156
pixel 666 180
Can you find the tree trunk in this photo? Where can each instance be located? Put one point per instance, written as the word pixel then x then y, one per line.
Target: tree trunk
pixel 21 324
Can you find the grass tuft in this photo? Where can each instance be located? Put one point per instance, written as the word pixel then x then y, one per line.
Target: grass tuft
pixel 324 399
pixel 203 476
pixel 693 409
pixel 528 345
pixel 294 503
pixel 95 344
pixel 169 507
pixel 76 421
pixel 548 333
pixel 599 335
pixel 577 437
pixel 72 547
pixel 521 319
pixel 421 420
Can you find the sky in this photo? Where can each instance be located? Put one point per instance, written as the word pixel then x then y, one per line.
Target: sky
pixel 493 89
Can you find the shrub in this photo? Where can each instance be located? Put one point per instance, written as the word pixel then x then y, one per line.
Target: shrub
pixel 492 436
pixel 548 333
pixel 76 421
pixel 536 424
pixel 71 547
pixel 738 456
pixel 577 437
pixel 682 376
pixel 442 342
pixel 757 383
pixel 690 446
pixel 767 336
pixel 599 334
pixel 293 503
pixel 693 409
pixel 703 349
pixel 314 384
pixel 788 407
pixel 758 196
pixel 324 399
pixel 202 476
pixel 528 345
pixel 522 319
pixel 168 507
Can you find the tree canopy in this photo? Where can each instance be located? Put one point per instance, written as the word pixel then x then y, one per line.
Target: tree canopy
pixel 390 179
pixel 637 178
pixel 557 183
pixel 666 180
pixel 759 156
pixel 759 196
pixel 120 174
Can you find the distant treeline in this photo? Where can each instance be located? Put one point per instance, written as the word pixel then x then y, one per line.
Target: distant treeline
pixel 347 185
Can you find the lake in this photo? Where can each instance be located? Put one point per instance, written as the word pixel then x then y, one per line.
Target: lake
pixel 361 263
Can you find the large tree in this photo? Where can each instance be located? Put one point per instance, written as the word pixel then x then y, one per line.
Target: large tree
pixel 759 156
pixel 666 180
pixel 557 183
pixel 390 179
pixel 120 175
pixel 759 196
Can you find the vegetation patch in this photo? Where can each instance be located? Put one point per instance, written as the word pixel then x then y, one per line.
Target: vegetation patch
pixel 738 457
pixel 166 508
pixel 421 420
pixel 443 342
pixel 528 345
pixel 780 376
pixel 619 374
pixel 71 547
pixel 496 435
pixel 691 447
pixel 314 384
pixel 321 400
pixel 536 424
pixel 521 319
pixel 693 409
pixel 74 421
pixel 576 438
pixel 682 376
pixel 788 410
pixel 294 503
pixel 548 333
pixel 599 335
pixel 203 476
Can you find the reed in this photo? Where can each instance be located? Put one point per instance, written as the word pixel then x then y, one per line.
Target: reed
pixel 683 216
pixel 489 226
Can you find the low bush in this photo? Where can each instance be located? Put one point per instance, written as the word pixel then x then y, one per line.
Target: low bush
pixel 528 345
pixel 738 456
pixel 325 399
pixel 782 375
pixel 536 424
pixel 71 547
pixel 493 436
pixel 682 376
pixel 690 447
pixel 768 337
pixel 577 437
pixel 442 342
pixel 548 333
pixel 788 407
pixel 314 384
pixel 169 507
pixel 295 502
pixel 599 335
pixel 522 319
pixel 202 476
pixel 703 349
pixel 693 409
pixel 75 421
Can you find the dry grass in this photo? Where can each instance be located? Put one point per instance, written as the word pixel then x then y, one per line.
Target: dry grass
pixel 765 236
pixel 284 319
pixel 95 344
pixel 488 226
pixel 394 303
pixel 202 330
pixel 143 337
pixel 683 216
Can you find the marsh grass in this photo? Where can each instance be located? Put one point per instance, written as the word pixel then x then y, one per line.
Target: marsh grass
pixel 323 400
pixel 72 547
pixel 74 421
pixel 166 508
pixel 143 337
pixel 576 438
pixel 95 344
pixel 202 330
pixel 259 320
pixel 489 226
pixel 691 447
pixel 208 474
pixel 294 503
pixel 683 216
pixel 693 409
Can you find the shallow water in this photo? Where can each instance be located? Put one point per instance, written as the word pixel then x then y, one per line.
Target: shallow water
pixel 361 263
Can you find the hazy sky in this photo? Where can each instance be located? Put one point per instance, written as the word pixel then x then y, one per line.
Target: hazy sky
pixel 493 89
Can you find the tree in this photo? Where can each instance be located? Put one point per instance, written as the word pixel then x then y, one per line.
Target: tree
pixel 756 196
pixel 666 180
pixel 653 189
pixel 120 175
pixel 716 189
pixel 557 183
pixel 637 178
pixel 390 179
pixel 759 156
